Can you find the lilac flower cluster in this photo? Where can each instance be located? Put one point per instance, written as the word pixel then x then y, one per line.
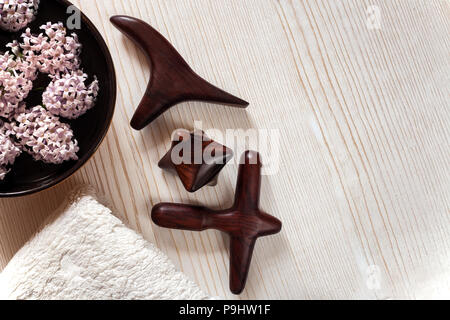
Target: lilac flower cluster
pixel 53 53
pixel 15 84
pixel 38 131
pixel 8 152
pixel 22 64
pixel 17 14
pixel 67 95
pixel 43 136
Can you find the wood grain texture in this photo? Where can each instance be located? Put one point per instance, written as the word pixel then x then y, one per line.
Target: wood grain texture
pixel 363 188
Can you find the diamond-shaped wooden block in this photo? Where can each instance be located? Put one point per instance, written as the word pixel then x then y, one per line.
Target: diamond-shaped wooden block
pixel 196 159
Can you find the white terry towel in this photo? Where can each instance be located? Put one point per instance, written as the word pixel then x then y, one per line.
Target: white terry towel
pixel 87 253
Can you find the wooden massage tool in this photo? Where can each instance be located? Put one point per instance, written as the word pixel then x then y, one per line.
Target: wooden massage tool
pixel 172 81
pixel 192 168
pixel 244 222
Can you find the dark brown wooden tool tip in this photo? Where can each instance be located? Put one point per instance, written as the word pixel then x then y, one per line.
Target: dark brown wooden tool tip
pixel 244 221
pixel 196 159
pixel 172 80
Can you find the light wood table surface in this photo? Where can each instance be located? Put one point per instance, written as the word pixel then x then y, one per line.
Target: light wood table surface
pixel 361 102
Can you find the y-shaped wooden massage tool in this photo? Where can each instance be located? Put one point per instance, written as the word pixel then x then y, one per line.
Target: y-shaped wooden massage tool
pixel 244 221
pixel 172 80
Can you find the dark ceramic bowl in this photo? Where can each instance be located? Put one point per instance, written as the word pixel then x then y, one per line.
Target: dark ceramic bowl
pixel 28 176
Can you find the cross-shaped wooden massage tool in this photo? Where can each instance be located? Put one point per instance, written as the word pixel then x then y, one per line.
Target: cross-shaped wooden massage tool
pixel 172 81
pixel 244 221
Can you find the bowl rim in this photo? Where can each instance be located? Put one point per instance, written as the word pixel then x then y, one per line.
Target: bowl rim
pixel 108 116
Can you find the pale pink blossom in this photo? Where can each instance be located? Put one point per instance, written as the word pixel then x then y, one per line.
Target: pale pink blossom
pixel 17 14
pixel 8 152
pixel 24 64
pixel 39 131
pixel 68 96
pixel 54 52
pixel 44 136
pixel 14 85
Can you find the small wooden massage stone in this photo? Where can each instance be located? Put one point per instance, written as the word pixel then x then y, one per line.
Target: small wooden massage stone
pixel 196 159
